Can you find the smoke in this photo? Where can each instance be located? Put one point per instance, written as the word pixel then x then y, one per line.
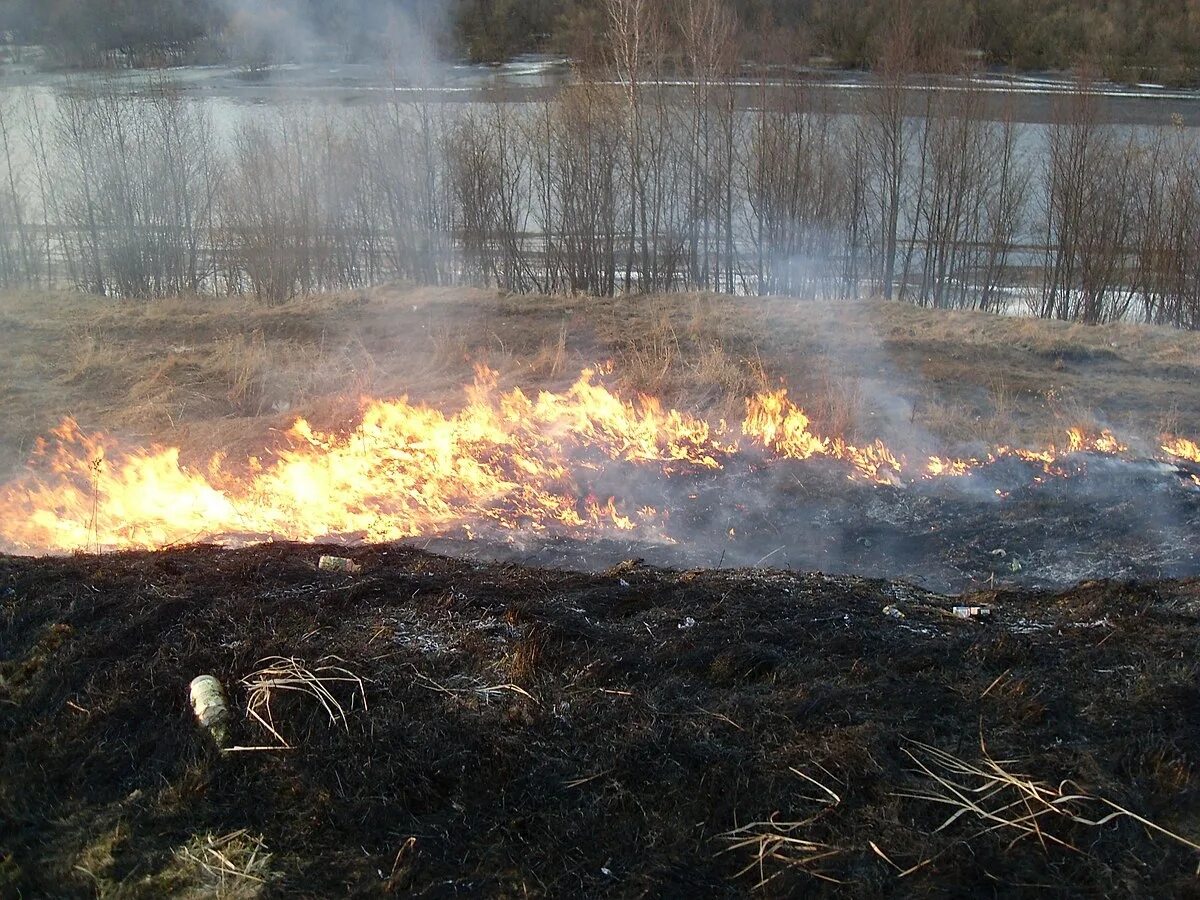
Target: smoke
pixel 405 35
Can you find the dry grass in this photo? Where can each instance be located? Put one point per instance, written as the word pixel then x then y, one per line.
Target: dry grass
pixel 278 674
pixel 90 353
pixel 837 405
pixel 1047 338
pixel 550 361
pixel 245 361
pixel 234 866
pixel 778 844
pixel 198 372
pixel 688 351
pixel 525 661
pixel 1011 804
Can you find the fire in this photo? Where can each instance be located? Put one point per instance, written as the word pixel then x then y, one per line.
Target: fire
pixel 939 467
pixel 1078 441
pixel 1105 442
pixel 1182 448
pixel 403 469
pixel 775 423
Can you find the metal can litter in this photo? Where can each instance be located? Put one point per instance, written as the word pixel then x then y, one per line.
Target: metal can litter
pixel 338 564
pixel 208 703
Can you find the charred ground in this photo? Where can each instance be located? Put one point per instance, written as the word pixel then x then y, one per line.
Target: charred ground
pixel 534 731
pixel 1008 524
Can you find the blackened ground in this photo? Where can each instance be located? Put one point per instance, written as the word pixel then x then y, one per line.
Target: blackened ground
pixel 533 731
pixel 1008 524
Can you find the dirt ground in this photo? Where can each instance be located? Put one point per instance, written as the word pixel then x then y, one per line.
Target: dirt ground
pixel 529 732
pixel 201 372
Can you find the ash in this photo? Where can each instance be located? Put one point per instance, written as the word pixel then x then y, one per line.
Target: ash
pixel 1007 524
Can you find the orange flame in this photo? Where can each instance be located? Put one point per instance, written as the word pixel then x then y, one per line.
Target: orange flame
pixel 1182 448
pixel 775 423
pixel 405 469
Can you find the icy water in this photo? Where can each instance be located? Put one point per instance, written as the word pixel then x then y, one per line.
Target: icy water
pixel 232 93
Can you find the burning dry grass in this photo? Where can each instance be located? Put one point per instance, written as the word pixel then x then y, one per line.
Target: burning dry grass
pixel 198 372
pixel 286 394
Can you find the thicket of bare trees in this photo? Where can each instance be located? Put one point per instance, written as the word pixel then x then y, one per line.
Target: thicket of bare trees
pixel 616 184
pixel 134 186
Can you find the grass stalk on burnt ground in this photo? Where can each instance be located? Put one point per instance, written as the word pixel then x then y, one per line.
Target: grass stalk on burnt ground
pixel 279 674
pixel 539 731
pixel 1006 801
pixel 233 865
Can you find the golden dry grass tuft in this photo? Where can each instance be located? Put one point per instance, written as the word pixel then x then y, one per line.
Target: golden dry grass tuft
pixel 281 676
pixel 234 866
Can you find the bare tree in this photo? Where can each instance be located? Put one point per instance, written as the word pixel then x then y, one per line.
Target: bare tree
pixel 1088 217
pixel 885 139
pixel 636 37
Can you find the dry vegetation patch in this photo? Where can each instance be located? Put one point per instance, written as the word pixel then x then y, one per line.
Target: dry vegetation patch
pixel 196 370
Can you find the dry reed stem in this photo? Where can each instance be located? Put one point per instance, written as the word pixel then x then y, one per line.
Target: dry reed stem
pixel 486 692
pixel 278 673
pixel 1006 801
pixel 777 841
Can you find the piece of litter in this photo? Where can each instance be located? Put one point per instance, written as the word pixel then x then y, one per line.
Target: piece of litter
pixel 208 703
pixel 338 564
pixel 893 612
pixel 1000 552
pixel 689 622
pixel 972 612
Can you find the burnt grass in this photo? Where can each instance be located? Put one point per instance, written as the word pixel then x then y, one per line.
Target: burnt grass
pixel 1007 524
pixel 532 731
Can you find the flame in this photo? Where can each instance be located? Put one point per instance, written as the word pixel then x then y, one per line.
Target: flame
pixel 775 423
pixel 1105 442
pixel 1182 448
pixel 404 469
pixel 939 467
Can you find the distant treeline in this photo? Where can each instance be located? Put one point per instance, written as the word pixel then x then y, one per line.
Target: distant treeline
pixel 612 186
pixel 1125 39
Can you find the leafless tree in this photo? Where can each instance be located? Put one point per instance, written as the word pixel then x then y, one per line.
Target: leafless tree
pixel 1088 216
pixel 885 138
